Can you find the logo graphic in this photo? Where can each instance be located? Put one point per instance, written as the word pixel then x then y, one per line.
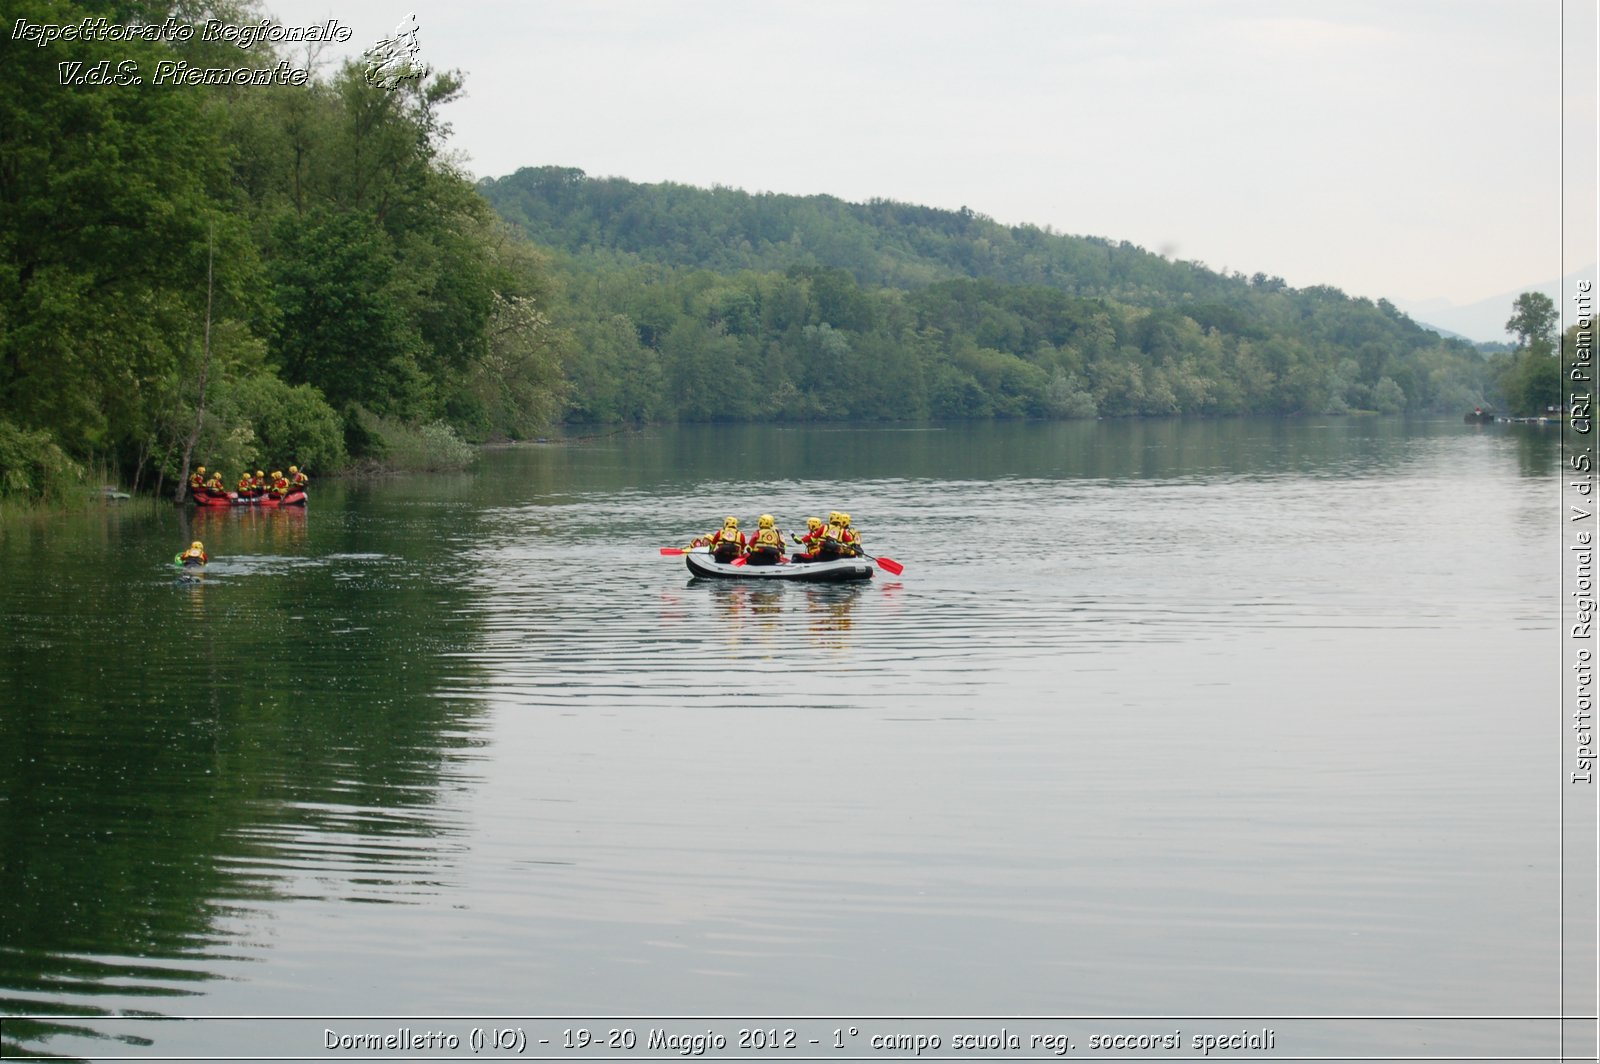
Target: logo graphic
pixel 394 59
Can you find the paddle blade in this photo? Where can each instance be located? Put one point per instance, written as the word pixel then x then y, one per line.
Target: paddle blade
pixel 889 565
pixel 673 550
pixel 740 560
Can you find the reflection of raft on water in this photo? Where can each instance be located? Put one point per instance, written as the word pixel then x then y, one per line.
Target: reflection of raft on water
pixel 840 571
pixel 1488 418
pixel 233 498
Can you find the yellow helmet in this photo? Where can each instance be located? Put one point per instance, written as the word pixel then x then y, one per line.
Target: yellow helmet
pixel 833 517
pixel 294 469
pixel 730 522
pixel 277 473
pixel 200 469
pixel 764 521
pixel 197 545
pixel 259 473
pixel 844 519
pixel 813 523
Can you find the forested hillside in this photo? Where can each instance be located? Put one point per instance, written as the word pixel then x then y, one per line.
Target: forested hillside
pixel 711 304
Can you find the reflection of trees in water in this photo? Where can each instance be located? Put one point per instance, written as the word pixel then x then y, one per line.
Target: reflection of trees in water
pixel 170 763
pixel 1538 447
pixel 942 452
pixel 27 992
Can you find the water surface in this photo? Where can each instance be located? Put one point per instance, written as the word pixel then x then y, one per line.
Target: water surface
pixel 1163 719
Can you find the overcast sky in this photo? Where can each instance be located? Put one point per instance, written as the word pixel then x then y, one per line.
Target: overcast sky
pixel 1409 149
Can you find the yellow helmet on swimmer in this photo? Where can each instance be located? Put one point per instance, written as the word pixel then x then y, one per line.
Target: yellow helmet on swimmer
pixel 197 545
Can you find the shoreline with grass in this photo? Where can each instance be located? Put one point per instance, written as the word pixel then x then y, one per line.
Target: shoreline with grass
pixel 38 479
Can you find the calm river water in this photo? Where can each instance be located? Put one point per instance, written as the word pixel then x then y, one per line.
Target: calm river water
pixel 1168 728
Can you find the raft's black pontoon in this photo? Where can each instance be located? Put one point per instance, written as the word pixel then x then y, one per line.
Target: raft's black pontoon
pixel 839 571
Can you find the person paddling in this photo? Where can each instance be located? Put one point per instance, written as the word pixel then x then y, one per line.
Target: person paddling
pixel 297 479
pixel 848 536
pixel 766 544
pixel 838 539
pixel 726 543
pixel 280 485
pixel 811 541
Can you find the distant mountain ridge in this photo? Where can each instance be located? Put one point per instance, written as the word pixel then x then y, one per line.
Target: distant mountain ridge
pixel 1484 321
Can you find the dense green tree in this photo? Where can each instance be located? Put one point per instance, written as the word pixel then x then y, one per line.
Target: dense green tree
pixel 1533 322
pixel 1530 380
pixel 109 196
pixel 517 387
pixel 343 327
pixel 705 376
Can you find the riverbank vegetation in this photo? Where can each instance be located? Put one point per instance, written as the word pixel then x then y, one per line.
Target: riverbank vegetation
pixel 253 275
pixel 245 276
pixel 1528 376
